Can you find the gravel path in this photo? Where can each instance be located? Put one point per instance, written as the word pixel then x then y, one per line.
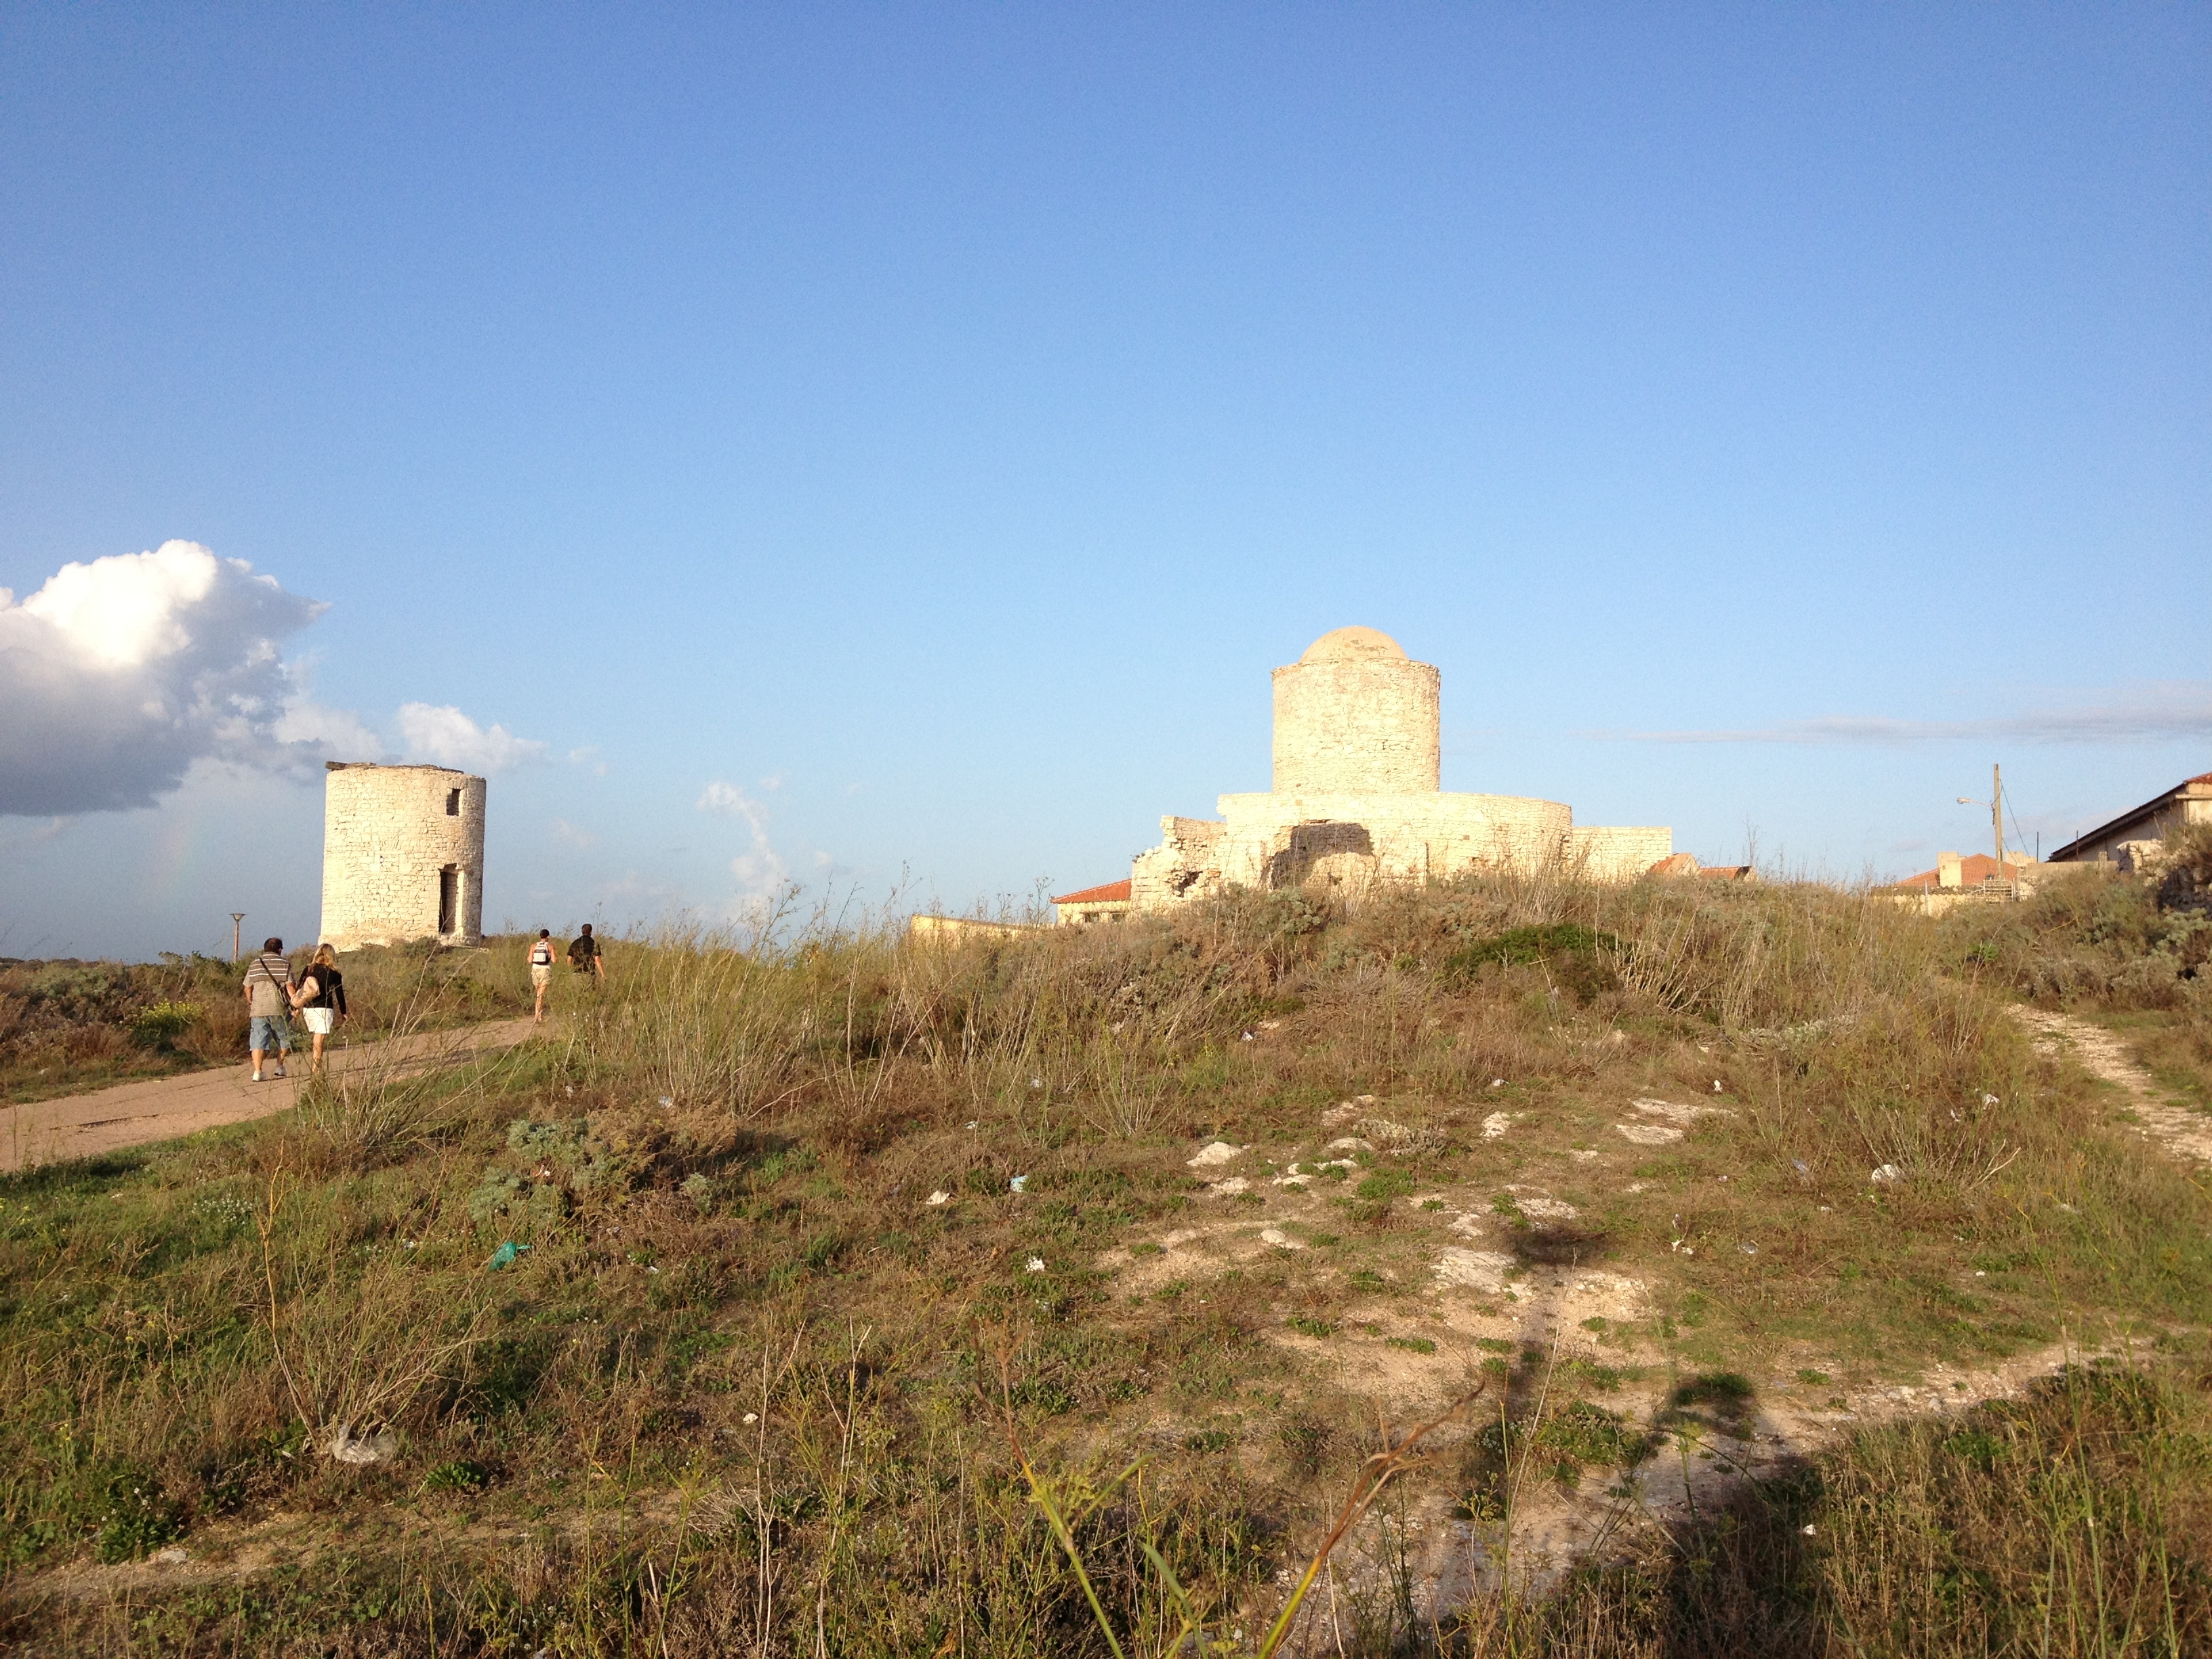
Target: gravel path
pixel 2184 1133
pixel 162 1109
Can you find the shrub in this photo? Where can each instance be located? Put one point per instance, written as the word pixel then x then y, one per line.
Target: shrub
pixel 161 1024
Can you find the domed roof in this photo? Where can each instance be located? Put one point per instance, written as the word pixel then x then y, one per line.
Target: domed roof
pixel 1354 645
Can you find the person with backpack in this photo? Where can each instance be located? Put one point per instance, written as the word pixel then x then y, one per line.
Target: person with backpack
pixel 584 956
pixel 541 972
pixel 269 1005
pixel 321 1002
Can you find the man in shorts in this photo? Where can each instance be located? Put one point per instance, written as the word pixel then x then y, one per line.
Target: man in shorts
pixel 269 1005
pixel 584 956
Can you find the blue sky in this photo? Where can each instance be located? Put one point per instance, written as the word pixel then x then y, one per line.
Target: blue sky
pixel 931 424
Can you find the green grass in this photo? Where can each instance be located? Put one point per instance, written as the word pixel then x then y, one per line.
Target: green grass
pixel 743 1348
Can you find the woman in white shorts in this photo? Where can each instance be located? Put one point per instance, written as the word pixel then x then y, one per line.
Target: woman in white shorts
pixel 321 1001
pixel 541 970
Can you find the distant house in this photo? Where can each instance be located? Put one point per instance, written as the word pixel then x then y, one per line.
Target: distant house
pixel 2132 837
pixel 1107 903
pixel 1686 864
pixel 1973 879
pixel 1975 869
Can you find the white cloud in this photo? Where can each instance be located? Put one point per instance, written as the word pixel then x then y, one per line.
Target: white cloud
pixel 2167 711
pixel 565 831
pixel 117 674
pixel 338 732
pixel 450 738
pixel 760 870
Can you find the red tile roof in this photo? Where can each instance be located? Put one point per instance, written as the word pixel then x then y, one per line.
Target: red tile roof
pixel 1113 892
pixel 1974 869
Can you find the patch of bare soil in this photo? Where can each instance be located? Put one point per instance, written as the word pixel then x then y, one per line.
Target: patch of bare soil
pixel 2184 1133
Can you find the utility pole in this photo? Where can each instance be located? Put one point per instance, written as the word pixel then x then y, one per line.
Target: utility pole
pixel 1996 813
pixel 236 917
pixel 1995 804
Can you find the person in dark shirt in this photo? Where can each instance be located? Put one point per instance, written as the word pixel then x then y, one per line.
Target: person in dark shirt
pixel 583 956
pixel 321 1001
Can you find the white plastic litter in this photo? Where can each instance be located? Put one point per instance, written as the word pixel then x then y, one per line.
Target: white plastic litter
pixel 1037 1264
pixel 1888 1176
pixel 940 1196
pixel 348 1447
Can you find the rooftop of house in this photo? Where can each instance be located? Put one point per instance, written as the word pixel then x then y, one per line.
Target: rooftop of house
pixel 1686 864
pixel 1974 869
pixel 1113 892
pixel 2200 785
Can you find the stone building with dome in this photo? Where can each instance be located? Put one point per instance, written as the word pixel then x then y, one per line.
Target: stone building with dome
pixel 1356 796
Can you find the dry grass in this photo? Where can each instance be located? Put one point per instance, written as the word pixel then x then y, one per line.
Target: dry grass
pixel 742 1393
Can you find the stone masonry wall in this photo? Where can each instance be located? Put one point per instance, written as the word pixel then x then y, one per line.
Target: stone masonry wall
pixel 387 836
pixel 1269 840
pixel 1356 727
pixel 1620 852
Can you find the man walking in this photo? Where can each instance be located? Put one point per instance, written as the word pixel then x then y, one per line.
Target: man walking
pixel 268 1006
pixel 584 956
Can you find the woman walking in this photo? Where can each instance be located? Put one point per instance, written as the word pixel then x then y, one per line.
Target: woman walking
pixel 321 1002
pixel 541 970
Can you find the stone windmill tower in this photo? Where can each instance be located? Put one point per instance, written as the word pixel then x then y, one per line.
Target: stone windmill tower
pixel 403 855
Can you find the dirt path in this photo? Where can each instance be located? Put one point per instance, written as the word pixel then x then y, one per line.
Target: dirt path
pixel 2184 1133
pixel 163 1109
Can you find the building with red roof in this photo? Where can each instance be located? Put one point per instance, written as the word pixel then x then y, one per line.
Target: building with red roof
pixel 1108 903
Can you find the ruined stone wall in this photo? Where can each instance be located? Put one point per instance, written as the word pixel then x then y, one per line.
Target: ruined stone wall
pixel 1272 841
pixel 390 833
pixel 1181 867
pixel 1269 841
pixel 1357 726
pixel 1620 852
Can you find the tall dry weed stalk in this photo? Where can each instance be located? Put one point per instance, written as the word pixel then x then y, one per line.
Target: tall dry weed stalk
pixel 712 1019
pixel 392 1094
pixel 363 1338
